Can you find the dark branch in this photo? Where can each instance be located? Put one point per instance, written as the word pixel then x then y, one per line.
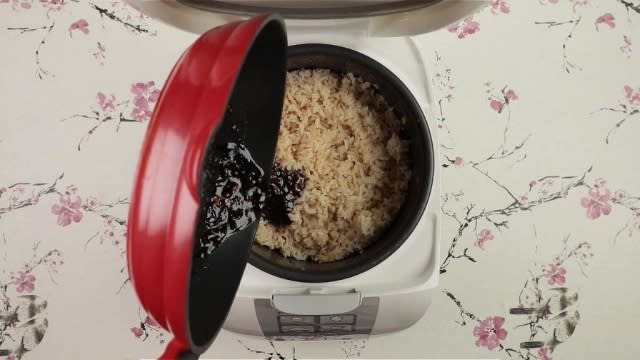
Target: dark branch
pixel 513 208
pixel 486 174
pixel 464 255
pixel 622 109
pixel 95 117
pixel 101 210
pixel 27 29
pixel 40 71
pixel 619 124
pixel 463 313
pixel 89 240
pixel 92 130
pixel 48 189
pixel 568 65
pixel 551 24
pixel 124 283
pixel 112 16
pixel 122 119
pixel 274 355
pixel 630 6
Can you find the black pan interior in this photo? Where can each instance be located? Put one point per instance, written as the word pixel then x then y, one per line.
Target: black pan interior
pixel 343 60
pixel 254 106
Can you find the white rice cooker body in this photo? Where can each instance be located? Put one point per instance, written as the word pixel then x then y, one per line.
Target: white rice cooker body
pixel 389 297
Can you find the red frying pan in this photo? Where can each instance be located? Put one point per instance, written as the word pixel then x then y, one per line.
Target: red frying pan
pixel 231 78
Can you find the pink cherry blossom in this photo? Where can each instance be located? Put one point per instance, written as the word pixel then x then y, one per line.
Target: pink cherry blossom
pixel 620 195
pixel 543 353
pixel 597 203
pixel 137 332
pixel 606 18
pixel 24 282
pixel 464 28
pixel 633 96
pixel 53 5
pixel 498 6
pixel 496 105
pixel 145 95
pixel 532 183
pixel 511 95
pixel 15 4
pixel 458 161
pixel 91 202
pixel 483 236
pixel 140 88
pixel 524 200
pixel 106 102
pixel 577 3
pixel 68 209
pixel 555 274
pixel 489 332
pixel 82 25
pixel 149 321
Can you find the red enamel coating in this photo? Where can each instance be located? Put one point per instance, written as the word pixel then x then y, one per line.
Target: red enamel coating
pixel 165 199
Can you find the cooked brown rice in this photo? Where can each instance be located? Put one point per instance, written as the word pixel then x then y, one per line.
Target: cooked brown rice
pixel 346 140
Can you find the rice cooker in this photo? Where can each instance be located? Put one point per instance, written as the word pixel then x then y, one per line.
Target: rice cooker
pixel 382 291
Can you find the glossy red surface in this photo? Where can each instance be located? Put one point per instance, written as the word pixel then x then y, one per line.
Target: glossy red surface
pixel 165 200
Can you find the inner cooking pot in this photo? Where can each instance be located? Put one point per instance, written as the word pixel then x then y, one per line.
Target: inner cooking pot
pixel 397 95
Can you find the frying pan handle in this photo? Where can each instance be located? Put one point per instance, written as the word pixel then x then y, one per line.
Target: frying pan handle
pixel 177 351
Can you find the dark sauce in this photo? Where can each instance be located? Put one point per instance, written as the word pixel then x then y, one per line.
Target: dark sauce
pixel 285 187
pixel 233 196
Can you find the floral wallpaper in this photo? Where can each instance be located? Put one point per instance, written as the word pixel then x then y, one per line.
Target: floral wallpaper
pixel 537 108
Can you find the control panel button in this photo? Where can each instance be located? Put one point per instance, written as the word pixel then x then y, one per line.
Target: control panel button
pixel 298 329
pixel 336 328
pixel 296 319
pixel 337 319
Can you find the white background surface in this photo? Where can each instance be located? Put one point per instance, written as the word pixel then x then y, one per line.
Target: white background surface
pixel 89 317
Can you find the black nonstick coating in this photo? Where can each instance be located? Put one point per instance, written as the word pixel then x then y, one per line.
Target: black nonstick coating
pixel 254 107
pixel 345 60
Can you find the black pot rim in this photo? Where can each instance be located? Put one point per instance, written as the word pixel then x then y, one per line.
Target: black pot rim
pixel 380 71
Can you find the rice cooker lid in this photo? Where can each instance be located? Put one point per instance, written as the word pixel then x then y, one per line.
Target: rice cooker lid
pixel 165 204
pixel 378 18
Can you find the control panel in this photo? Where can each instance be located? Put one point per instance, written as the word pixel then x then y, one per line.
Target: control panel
pixel 358 321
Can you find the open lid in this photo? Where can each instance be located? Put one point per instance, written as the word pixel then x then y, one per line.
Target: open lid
pixel 228 87
pixel 385 18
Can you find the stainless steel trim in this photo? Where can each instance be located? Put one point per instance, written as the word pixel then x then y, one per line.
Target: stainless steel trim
pixel 315 13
